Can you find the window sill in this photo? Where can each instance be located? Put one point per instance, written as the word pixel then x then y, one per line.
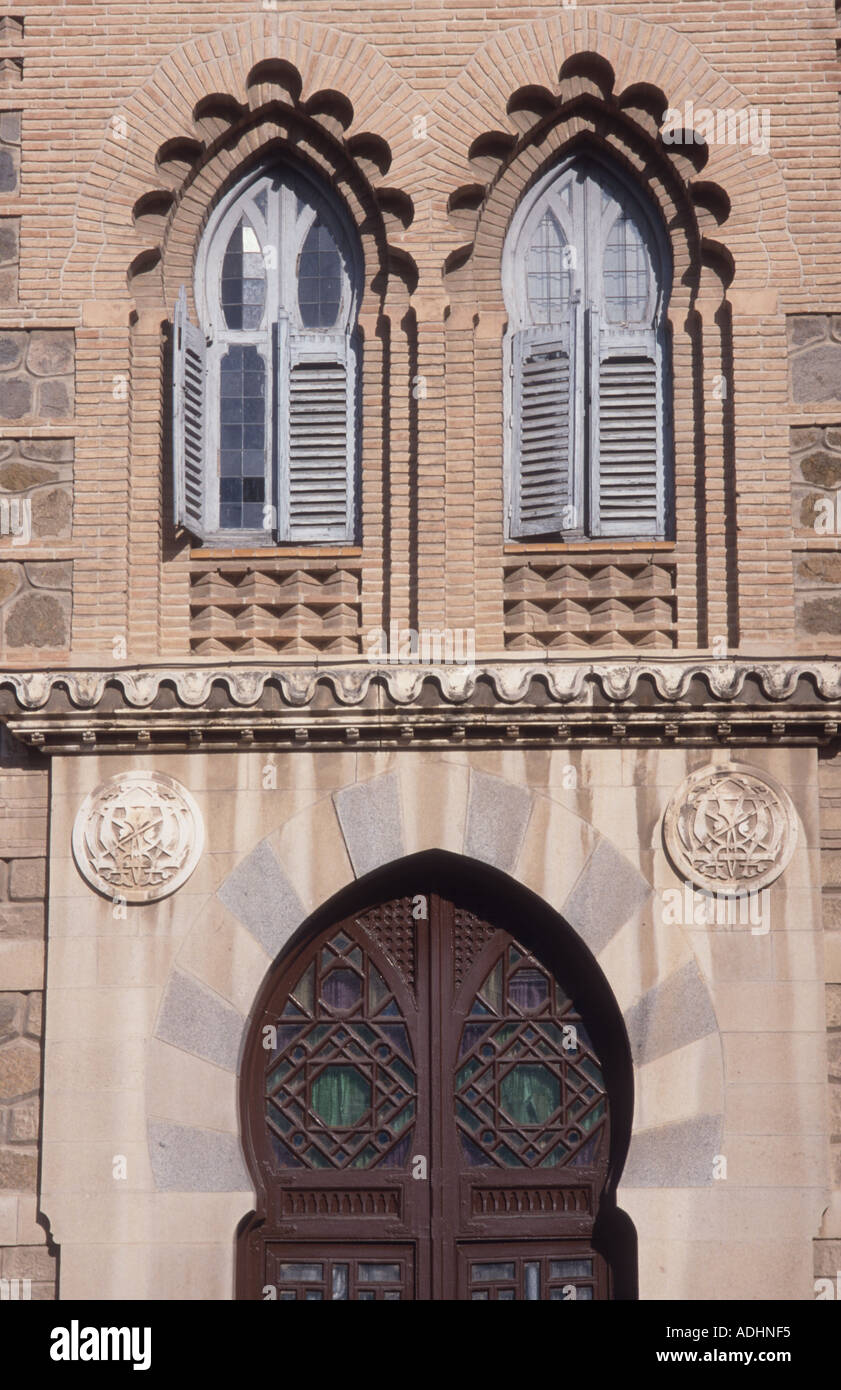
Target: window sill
pixel 611 544
pixel 276 552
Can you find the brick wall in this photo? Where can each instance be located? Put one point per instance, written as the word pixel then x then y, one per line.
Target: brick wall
pixel 97 232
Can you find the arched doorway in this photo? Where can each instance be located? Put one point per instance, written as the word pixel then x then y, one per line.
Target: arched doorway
pixel 436 1101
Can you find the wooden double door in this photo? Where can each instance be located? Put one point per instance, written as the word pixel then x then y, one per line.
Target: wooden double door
pixel 425 1115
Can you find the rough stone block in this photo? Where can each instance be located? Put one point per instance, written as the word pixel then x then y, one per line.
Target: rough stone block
pixel 195 1019
pixel 608 892
pixel 28 1262
pixel 27 879
pixel 497 817
pixel 18 1170
pixel 679 1155
pixel 670 1015
pixel 20 1069
pixel 196 1160
pixel 816 374
pixel 38 620
pixel 24 1123
pixel 259 894
pixel 369 815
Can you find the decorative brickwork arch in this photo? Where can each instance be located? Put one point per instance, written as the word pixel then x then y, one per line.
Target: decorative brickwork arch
pixel 336 97
pixel 519 80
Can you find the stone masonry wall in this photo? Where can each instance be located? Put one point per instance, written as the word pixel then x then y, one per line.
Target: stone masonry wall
pixel 828 1250
pixel 24 1249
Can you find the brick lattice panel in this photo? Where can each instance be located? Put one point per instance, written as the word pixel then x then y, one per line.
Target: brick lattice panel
pixel 251 609
pixel 589 603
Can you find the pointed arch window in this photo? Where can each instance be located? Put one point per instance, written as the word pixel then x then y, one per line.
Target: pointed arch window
pixel 266 386
pixel 586 276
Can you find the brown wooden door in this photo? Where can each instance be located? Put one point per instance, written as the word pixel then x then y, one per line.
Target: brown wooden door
pixel 426 1117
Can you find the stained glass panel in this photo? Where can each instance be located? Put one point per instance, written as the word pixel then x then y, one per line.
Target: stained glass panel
pixel 341 1088
pixel 529 1091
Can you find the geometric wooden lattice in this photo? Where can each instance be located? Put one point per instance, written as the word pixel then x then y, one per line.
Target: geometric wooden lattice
pixel 529 1088
pixel 341 1089
pixel 469 938
pixel 392 927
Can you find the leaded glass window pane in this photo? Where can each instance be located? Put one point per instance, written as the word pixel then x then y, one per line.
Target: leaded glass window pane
pixel 548 274
pixel 319 278
pixel 242 438
pixel 626 273
pixel 243 278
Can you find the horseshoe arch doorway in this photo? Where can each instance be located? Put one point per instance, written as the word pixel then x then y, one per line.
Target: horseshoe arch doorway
pixel 436 1100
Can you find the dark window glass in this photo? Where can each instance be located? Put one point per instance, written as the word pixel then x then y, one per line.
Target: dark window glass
pixel 242 438
pixel 319 278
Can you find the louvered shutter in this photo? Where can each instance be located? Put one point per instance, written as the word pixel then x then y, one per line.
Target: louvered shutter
pixel 626 435
pixel 189 378
pixel 543 406
pixel 317 433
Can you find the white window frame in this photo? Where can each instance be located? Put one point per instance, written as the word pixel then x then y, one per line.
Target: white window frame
pixel 282 234
pixel 581 221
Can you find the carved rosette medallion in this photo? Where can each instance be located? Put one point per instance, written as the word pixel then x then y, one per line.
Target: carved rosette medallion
pixel 138 836
pixel 730 829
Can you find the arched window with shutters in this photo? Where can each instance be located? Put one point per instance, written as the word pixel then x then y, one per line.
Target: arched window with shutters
pixel 266 387
pixel 586 277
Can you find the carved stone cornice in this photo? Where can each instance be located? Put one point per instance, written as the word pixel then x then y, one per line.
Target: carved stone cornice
pixel 662 700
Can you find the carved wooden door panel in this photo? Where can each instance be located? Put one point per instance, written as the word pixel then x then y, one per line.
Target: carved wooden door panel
pixel 523 1143
pixel 426 1118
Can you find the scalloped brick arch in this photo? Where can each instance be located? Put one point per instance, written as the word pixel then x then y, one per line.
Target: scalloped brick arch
pixel 641 56
pixel 373 97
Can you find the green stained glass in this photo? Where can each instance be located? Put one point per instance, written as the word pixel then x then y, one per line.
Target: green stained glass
pixel 558 1155
pixel 592 1069
pixel 467 1071
pixel 406 1114
pixel 355 956
pixel 406 1076
pixel 340 1096
pixel 467 1117
pixel 276 1075
pixel 368 1154
pixel 317 1158
pixel 509 1158
pixel 530 1093
pixel 305 989
pixel 587 1121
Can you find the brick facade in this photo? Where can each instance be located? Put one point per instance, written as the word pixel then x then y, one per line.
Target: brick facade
pixel 431 122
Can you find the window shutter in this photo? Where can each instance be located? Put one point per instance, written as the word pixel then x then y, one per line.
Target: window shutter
pixel 317 433
pixel 626 433
pixel 543 429
pixel 189 378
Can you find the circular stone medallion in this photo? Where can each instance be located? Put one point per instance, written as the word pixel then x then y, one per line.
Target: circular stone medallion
pixel 138 836
pixel 730 829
